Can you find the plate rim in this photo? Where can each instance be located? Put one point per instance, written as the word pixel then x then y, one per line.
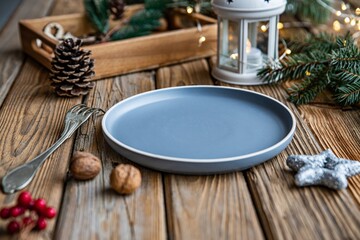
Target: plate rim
pixel 199 160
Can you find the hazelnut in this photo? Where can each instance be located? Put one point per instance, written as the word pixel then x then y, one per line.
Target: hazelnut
pixel 125 178
pixel 84 166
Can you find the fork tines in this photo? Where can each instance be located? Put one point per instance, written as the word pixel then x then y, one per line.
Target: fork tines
pixel 83 109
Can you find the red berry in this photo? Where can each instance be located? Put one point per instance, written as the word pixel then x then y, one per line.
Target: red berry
pixel 22 210
pixel 24 199
pixel 27 221
pixel 16 211
pixel 31 204
pixel 5 213
pixel 13 227
pixel 41 223
pixel 50 212
pixel 40 206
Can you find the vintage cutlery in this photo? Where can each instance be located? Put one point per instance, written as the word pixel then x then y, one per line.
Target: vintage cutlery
pixel 19 177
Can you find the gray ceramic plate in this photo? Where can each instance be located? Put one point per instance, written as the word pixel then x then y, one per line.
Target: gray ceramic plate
pixel 199 129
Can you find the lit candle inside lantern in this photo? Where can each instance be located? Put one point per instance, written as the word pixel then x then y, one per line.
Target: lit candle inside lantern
pixel 254 57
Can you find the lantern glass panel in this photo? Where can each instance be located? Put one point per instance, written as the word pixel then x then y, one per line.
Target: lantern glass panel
pixel 228 45
pixel 257 45
pixel 262 38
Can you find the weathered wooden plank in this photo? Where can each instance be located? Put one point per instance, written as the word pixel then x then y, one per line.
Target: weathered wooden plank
pixel 338 130
pixel 289 212
pixel 191 73
pixel 11 57
pixel 141 53
pixel 322 114
pixel 206 207
pixel 31 120
pixel 106 214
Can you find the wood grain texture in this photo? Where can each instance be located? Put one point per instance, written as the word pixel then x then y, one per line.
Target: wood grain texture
pixel 206 207
pixel 31 120
pixel 326 123
pixel 138 216
pixel 262 202
pixel 11 57
pixel 190 73
pixel 289 212
pixel 93 204
pixel 129 55
pixel 326 119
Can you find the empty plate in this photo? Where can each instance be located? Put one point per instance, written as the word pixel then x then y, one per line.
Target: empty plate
pixel 199 129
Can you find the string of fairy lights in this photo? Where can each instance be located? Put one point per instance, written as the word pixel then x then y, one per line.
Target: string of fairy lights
pixel 197 9
pixel 347 19
pixel 351 18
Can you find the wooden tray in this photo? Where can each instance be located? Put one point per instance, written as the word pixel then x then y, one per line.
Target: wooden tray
pixel 130 55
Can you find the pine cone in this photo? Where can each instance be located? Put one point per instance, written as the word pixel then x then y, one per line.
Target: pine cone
pixel 72 69
pixel 117 8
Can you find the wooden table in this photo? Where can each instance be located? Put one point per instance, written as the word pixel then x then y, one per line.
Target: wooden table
pixel 262 202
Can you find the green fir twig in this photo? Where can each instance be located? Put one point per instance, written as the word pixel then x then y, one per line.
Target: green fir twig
pixel 348 94
pixel 141 23
pixel 337 69
pixel 98 13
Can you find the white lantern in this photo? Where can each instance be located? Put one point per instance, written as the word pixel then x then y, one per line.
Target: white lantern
pixel 239 25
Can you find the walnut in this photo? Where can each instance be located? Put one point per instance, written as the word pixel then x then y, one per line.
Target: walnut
pixel 84 166
pixel 125 178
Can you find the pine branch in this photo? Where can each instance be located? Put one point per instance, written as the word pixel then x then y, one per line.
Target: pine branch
pixel 294 67
pixel 141 23
pixel 348 94
pixel 346 57
pixel 317 70
pixel 348 76
pixel 98 13
pixel 309 88
pixel 143 17
pixel 156 4
pixel 130 2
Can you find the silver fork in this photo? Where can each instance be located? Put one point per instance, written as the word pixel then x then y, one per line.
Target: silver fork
pixel 21 176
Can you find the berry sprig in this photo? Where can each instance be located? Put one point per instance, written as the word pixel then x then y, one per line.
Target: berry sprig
pixel 27 212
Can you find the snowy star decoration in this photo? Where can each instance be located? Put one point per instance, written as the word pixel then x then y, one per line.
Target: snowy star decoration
pixel 323 169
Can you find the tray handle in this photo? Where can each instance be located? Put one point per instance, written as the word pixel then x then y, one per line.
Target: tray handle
pixel 36 44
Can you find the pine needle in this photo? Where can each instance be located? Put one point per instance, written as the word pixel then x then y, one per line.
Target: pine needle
pixel 140 24
pixel 348 94
pixel 317 70
pixel 97 11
